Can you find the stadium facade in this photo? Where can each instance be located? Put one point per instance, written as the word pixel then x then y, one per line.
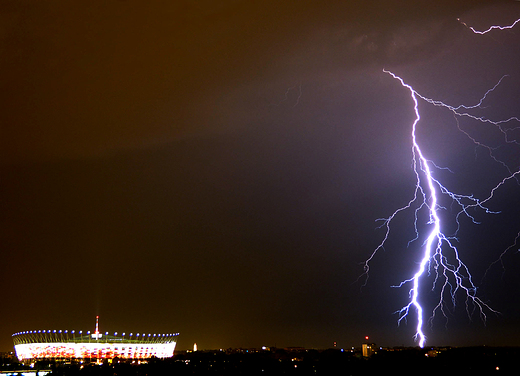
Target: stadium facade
pixel 65 345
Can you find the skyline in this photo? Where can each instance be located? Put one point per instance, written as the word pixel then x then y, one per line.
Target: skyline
pixel 219 170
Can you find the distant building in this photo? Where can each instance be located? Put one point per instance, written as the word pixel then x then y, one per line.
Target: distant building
pixel 368 349
pixel 65 345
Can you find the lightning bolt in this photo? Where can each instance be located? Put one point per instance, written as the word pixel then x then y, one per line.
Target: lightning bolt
pixel 440 256
pixel 494 27
pixel 298 88
pixel 517 239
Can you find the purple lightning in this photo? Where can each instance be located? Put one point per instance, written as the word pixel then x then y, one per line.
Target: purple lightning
pixel 499 260
pixel 440 256
pixel 435 233
pixel 440 252
pixel 495 27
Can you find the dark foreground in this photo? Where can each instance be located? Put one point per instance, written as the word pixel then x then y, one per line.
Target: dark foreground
pixel 405 361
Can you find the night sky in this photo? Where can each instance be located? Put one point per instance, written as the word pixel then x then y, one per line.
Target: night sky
pixel 217 168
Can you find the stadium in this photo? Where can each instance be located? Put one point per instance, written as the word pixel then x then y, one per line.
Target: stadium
pixel 66 345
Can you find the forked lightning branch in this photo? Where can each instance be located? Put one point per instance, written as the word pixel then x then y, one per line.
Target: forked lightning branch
pixel 439 253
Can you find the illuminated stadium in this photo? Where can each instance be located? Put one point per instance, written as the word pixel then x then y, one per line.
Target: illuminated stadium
pixel 64 345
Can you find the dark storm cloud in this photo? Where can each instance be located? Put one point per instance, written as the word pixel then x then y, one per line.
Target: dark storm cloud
pixel 84 79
